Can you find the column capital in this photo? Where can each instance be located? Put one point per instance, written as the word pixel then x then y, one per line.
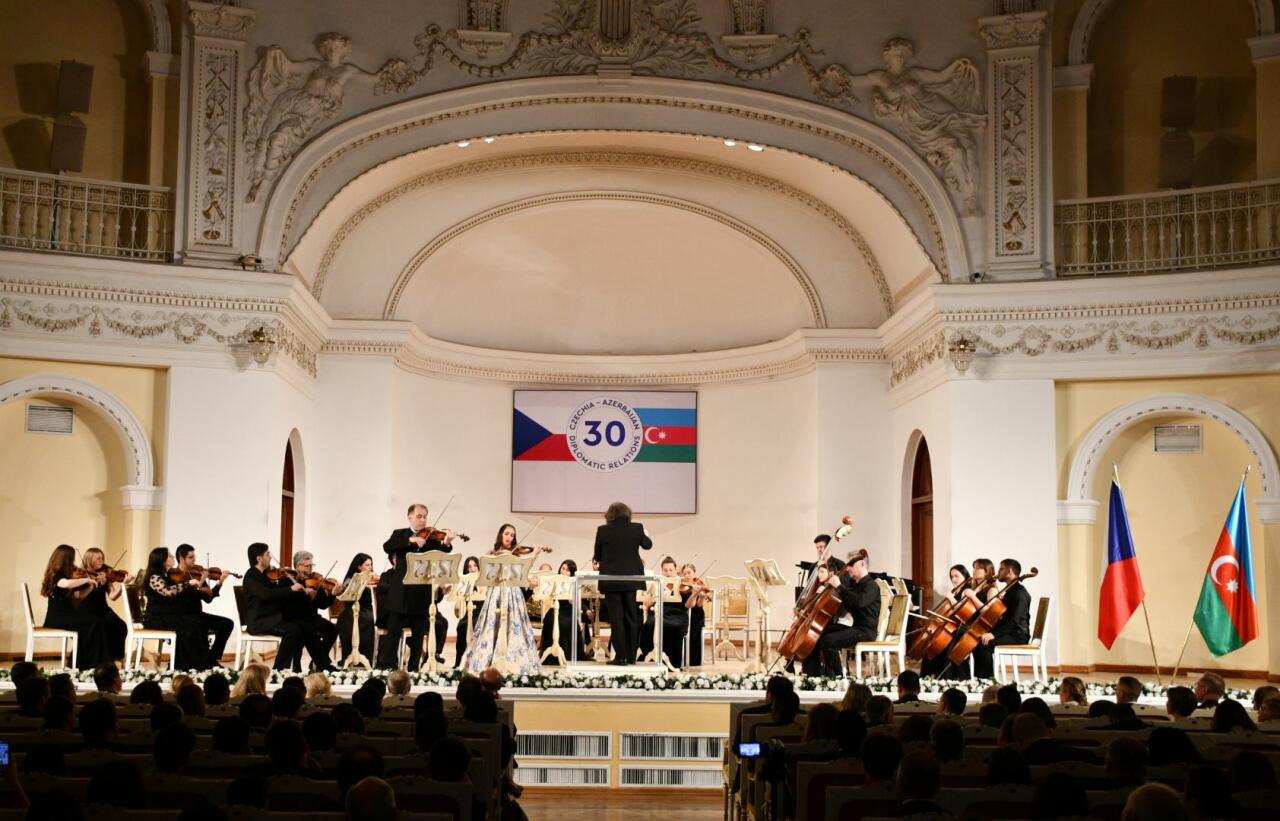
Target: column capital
pixel 221 21
pixel 160 64
pixel 1076 77
pixel 1266 47
pixel 1012 30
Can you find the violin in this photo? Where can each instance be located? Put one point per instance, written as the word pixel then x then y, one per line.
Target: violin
pixel 178 576
pixel 436 534
pixel 277 574
pixel 529 549
pixel 317 581
pixel 984 622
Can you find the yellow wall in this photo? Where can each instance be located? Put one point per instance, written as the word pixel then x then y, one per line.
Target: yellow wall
pixel 56 489
pixel 1176 504
pixel 1138 44
pixel 112 36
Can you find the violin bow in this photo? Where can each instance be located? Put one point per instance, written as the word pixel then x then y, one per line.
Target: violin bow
pixel 518 542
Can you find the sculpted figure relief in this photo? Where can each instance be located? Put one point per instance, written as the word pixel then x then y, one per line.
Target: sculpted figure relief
pixel 288 100
pixel 937 110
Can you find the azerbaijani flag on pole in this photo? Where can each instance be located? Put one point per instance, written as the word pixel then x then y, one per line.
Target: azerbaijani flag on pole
pixel 1122 584
pixel 1227 613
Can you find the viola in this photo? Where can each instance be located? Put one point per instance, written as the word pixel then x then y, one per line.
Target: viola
pixel 984 622
pixel 816 606
pixel 277 574
pixel 436 534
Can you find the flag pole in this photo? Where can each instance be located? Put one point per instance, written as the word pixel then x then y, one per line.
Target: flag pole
pixel 1243 477
pixel 1115 469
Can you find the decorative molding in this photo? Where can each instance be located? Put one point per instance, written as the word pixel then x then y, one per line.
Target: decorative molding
pixel 1092 12
pixel 139 463
pixel 161 64
pixel 612 158
pixel 289 99
pixel 157 12
pixel 223 21
pixel 480 43
pixel 1265 47
pixel 938 251
pixel 141 497
pixel 458 229
pixel 1073 77
pixel 905 364
pixel 1084 465
pixel 214 155
pixel 1012 30
pixel 484 15
pixel 748 16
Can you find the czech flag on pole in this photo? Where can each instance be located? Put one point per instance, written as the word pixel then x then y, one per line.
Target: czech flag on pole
pixel 1227 613
pixel 1122 583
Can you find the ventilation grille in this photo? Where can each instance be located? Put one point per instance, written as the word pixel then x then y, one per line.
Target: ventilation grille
pixel 709 778
pixel 563 745
pixel 50 419
pixel 702 747
pixel 553 776
pixel 1177 438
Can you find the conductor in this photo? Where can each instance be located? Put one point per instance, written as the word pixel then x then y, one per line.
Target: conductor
pixel 617 552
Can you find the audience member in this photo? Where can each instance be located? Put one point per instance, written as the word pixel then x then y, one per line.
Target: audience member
pixel 179 681
pixel 371 799
pixel 1180 702
pixel 822 723
pixel 368 700
pixel 173 747
pixel 1260 695
pixel 449 760
pixel 492 680
pixel 428 728
pixel 992 715
pixel 880 756
pixel 989 693
pixel 117 784
pixel 1270 710
pixel 469 684
pixel 1124 719
pixel 287 751
pixel 1208 794
pixel 429 701
pixel 231 735
pixel 295 683
pixel 1059 795
pixel 1171 745
pixel 164 714
pixel 855 697
pixel 106 677
pixel 252 681
pixel 952 702
pixel 1037 706
pixel 915 729
pixel 97 721
pixel 851 731
pixel 399 683
pixel 147 692
pixel 21 671
pixel 1006 765
pixel 1009 697
pixel 191 699
pixel 1251 770
pixel 256 710
pixel 1209 689
pixel 32 694
pixel 1101 708
pixel 318 686
pixel 1230 716
pixel 1071 690
pixel 947 738
pixel 59 714
pixel 908 687
pixel 320 731
pixel 783 710
pixel 61 686
pixel 1126 764
pixel 1032 739
pixel 217 690
pixel 1153 802
pixel 919 782
pixel 879 712
pixel 347 719
pixel 1128 690
pixel 356 764
pixel 287 701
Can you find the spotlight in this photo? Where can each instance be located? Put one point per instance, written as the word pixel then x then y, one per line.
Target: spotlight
pixel 976 276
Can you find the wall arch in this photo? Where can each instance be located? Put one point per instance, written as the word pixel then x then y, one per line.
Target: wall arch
pixel 157 15
pixel 141 492
pixel 1093 11
pixel 1080 508
pixel 858 147
pixel 904 495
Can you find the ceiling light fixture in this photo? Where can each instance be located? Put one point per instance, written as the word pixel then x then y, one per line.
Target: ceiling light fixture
pixel 489 139
pixel 755 147
pixel 464 143
pixel 730 143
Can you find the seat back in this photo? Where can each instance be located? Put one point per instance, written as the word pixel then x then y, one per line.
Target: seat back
pixel 133 601
pixel 239 591
pixel 28 612
pixel 886 597
pixel 1041 622
pixel 897 617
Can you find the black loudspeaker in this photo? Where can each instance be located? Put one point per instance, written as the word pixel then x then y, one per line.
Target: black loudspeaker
pixel 75 84
pixel 1177 156
pixel 66 151
pixel 1178 102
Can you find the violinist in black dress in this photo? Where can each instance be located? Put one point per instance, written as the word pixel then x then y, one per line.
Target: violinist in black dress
pixel 99 598
pixel 166 610
pixel 65 587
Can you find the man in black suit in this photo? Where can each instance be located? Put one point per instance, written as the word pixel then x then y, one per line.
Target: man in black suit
pixel 1014 626
pixel 618 544
pixel 408 604
pixel 302 607
pixel 264 606
pixel 192 600
pixel 858 618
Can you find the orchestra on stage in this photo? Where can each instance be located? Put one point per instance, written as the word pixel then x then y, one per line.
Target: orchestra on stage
pixel 394 618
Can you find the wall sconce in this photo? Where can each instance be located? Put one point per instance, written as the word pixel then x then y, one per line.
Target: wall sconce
pixel 261 344
pixel 962 350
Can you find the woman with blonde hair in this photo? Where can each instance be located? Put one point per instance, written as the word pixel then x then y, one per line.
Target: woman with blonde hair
pixel 97 601
pixel 251 681
pixel 179 681
pixel 856 697
pixel 1071 691
pixel 318 685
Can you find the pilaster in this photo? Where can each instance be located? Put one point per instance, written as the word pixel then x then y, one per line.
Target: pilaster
pixel 1016 207
pixel 1266 64
pixel 211 195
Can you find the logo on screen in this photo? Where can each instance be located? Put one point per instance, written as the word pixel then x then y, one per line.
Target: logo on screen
pixel 604 434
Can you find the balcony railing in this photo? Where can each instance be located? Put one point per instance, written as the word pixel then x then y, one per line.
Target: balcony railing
pixel 1214 227
pixel 46 212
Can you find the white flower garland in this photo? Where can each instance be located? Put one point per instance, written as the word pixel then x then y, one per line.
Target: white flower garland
pixel 751 682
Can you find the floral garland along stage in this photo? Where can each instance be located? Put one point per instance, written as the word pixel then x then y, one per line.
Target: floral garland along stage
pixel 669 682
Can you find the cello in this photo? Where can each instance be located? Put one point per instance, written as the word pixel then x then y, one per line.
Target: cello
pixel 813 609
pixel 985 621
pixel 947 620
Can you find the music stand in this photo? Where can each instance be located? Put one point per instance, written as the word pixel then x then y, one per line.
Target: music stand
pixel 436 568
pixel 510 573
pixel 763 573
pixel 351 593
pixel 670 589
pixel 465 596
pixel 553 589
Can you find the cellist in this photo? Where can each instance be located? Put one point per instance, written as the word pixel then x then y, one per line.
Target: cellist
pixel 983 571
pixel 859 616
pixel 1013 628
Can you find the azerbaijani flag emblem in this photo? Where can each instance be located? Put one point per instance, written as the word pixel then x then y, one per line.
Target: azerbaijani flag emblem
pixel 1227 613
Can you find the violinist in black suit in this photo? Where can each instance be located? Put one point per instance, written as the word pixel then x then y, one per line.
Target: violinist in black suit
pixel 617 550
pixel 1014 626
pixel 407 604
pixel 265 602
